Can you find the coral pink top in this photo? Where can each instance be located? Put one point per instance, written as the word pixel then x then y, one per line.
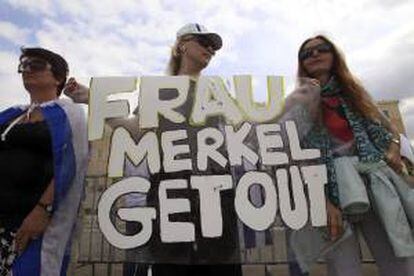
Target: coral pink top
pixel 334 121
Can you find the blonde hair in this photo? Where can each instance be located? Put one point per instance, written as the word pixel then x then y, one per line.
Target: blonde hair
pixel 176 55
pixel 357 97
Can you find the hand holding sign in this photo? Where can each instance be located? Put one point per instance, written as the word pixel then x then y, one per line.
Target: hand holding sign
pixel 78 92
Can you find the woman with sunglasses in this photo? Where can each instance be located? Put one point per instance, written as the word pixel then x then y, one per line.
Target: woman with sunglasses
pixel 360 147
pixel 192 51
pixel 41 166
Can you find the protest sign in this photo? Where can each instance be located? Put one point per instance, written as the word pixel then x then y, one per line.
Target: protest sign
pixel 203 164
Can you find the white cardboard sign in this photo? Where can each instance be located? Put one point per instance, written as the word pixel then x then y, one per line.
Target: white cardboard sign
pixel 247 132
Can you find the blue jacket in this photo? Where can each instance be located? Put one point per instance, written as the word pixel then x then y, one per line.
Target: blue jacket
pixel 49 254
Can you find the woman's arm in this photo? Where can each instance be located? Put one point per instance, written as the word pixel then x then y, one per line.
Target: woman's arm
pixel 78 92
pixel 36 222
pixel 308 95
pixel 335 223
pixel 393 156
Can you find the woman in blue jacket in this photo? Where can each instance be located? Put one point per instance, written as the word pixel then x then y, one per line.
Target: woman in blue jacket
pixel 42 165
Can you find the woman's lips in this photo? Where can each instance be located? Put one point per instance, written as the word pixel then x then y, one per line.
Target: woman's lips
pixel 314 61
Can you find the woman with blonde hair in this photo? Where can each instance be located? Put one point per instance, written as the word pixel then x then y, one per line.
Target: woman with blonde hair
pixel 191 53
pixel 192 50
pixel 362 153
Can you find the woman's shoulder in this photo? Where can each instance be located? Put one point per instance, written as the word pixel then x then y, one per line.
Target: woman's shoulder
pixel 11 112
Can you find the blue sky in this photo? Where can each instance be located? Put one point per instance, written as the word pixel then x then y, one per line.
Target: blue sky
pixel 261 37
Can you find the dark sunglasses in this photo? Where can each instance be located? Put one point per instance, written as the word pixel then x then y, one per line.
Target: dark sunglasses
pixel 320 48
pixel 203 41
pixel 33 65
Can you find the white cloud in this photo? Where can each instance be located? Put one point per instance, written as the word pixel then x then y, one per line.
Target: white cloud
pixel 261 37
pixel 13 33
pixel 387 68
pixel 12 91
pixel 130 37
pixel 44 7
pixel 105 53
pixel 8 63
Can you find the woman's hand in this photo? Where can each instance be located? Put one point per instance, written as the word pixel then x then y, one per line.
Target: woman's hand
pixel 393 157
pixel 79 93
pixel 33 226
pixel 307 94
pixel 335 225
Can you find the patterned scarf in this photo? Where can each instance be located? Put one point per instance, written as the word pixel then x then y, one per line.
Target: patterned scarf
pixel 371 138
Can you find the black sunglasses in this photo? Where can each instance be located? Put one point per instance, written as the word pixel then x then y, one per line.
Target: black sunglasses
pixel 33 65
pixel 320 48
pixel 203 41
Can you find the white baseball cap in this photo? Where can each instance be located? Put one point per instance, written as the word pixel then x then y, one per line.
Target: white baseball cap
pixel 197 29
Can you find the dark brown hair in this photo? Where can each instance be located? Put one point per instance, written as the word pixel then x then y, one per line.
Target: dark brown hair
pixel 60 68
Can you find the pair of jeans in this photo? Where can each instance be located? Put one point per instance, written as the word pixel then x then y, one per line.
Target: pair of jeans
pixel 345 259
